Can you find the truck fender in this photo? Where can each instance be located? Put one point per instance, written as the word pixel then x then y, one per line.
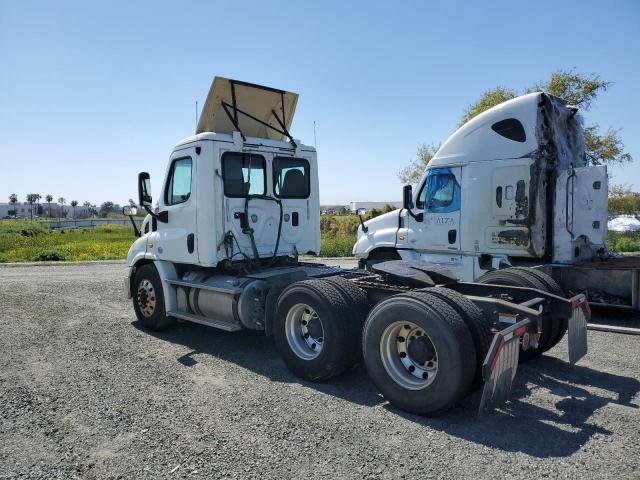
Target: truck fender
pixel 167 271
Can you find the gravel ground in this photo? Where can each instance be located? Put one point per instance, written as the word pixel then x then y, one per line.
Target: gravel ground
pixel 85 392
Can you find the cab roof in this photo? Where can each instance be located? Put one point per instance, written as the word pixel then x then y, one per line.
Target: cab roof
pixel 476 140
pixel 250 141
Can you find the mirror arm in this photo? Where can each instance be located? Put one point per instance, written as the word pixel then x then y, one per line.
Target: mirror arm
pixel 418 218
pixel 136 230
pixel 161 217
pixel 365 229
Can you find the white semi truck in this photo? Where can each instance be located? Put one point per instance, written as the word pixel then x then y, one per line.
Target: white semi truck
pixel 240 202
pixel 511 187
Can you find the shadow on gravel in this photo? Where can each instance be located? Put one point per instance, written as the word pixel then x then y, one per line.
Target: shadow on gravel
pixel 559 429
pixel 256 352
pixel 554 430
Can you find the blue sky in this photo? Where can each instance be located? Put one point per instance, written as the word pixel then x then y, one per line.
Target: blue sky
pixel 91 93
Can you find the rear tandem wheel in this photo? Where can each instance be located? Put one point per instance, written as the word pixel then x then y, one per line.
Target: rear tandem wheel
pixel 552 329
pixel 314 330
pixel 418 352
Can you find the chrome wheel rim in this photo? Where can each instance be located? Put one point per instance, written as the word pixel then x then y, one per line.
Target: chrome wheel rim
pixel 146 298
pixel 408 355
pixel 305 333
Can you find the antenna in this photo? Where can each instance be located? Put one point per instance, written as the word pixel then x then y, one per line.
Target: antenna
pixel 315 141
pixel 196 114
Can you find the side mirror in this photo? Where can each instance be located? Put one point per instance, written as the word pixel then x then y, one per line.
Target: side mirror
pixel 407 203
pixel 144 190
pixel 129 211
pixel 407 197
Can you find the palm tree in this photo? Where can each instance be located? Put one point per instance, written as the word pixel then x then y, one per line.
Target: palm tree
pixel 74 204
pixel 49 199
pixel 13 200
pixel 31 199
pixel 61 201
pixel 37 198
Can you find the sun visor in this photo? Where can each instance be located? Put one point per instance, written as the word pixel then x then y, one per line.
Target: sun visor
pixel 254 110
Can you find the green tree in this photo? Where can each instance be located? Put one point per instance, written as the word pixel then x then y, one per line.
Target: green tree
pixel 38 207
pixel 61 201
pixel 575 89
pixel 413 172
pixel 49 199
pixel 74 204
pixel 623 201
pixel 31 200
pixel 106 208
pixel 13 201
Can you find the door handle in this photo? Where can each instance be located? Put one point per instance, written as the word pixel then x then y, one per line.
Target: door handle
pixel 452 236
pixel 190 242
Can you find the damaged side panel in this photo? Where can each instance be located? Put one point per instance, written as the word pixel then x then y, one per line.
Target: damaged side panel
pixel 514 213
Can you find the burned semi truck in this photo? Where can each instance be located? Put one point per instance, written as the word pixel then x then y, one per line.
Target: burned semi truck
pixel 511 187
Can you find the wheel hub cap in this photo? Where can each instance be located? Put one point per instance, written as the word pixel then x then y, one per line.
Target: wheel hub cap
pixel 408 355
pixel 304 330
pixel 146 298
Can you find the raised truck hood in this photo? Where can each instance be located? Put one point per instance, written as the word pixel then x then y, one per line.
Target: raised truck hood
pixel 254 110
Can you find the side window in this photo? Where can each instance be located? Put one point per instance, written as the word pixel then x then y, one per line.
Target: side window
pixel 442 192
pixel 243 174
pixel 179 185
pixel 291 177
pixel 511 129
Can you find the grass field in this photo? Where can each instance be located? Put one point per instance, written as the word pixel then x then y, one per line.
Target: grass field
pixel 26 241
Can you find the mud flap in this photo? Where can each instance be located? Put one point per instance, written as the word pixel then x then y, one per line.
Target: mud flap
pixel 501 364
pixel 580 315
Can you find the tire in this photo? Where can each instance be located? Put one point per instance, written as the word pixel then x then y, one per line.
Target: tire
pixel 516 277
pixel 148 299
pixel 478 324
pixel 336 350
pixel 444 336
pixel 554 288
pixel 356 297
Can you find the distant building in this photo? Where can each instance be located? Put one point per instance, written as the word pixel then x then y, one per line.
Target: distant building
pixel 364 207
pixel 54 210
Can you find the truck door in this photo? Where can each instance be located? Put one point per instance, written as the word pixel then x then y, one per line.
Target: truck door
pixel 439 197
pixel 177 240
pixel 244 177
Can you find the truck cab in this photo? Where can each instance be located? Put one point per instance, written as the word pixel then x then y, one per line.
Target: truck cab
pixel 511 186
pixel 223 190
